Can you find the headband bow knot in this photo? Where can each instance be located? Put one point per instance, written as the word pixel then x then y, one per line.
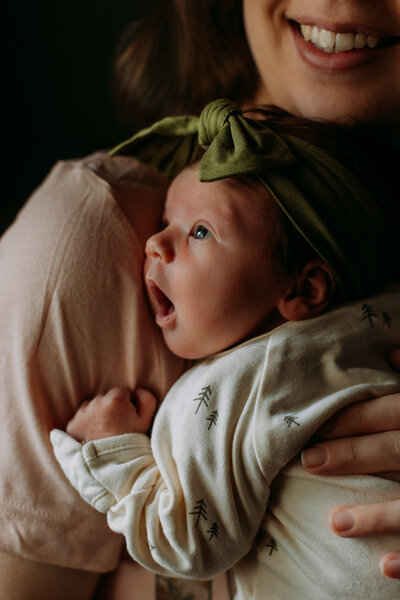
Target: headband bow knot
pixel 213 118
pixel 329 206
pixel 234 148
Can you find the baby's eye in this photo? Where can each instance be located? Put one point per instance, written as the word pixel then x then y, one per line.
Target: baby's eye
pixel 200 232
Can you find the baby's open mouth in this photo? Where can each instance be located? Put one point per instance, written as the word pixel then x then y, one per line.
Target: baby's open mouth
pixel 335 42
pixel 163 308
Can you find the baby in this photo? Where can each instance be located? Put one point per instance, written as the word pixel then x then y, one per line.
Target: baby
pixel 240 279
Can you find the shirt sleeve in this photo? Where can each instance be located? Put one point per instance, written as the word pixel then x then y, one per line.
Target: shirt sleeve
pixel 74 322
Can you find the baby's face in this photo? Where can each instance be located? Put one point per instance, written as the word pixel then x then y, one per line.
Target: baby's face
pixel 210 274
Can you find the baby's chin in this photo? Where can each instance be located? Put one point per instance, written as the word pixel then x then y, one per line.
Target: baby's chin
pixel 189 349
pixel 187 352
pixel 195 348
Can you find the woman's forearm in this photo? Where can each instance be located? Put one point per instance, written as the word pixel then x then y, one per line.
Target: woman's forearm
pixel 31 580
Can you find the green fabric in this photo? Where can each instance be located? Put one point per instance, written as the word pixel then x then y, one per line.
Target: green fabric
pixel 330 207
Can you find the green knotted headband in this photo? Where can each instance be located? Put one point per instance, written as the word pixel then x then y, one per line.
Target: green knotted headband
pixel 329 206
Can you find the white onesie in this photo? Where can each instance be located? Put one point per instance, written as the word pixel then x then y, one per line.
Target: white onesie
pixel 192 501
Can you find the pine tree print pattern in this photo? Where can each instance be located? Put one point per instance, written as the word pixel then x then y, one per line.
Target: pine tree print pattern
pixel 200 511
pixel 368 314
pixel 203 398
pixel 272 545
pixel 291 420
pixel 212 419
pixel 213 531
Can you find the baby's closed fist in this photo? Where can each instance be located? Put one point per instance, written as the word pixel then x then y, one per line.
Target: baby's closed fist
pixel 114 413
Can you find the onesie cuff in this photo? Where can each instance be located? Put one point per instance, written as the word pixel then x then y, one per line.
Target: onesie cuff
pixel 71 457
pixel 99 469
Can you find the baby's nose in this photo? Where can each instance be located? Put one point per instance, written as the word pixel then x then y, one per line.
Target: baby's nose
pixel 158 247
pixel 151 247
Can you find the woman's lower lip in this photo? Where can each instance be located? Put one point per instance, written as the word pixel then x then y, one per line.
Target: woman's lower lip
pixel 342 61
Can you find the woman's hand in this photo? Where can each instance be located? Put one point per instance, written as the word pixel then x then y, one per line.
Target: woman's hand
pixel 363 438
pixel 114 413
pixel 370 519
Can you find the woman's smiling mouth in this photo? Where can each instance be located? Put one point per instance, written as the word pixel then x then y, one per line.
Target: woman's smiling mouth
pixel 335 41
pixel 338 48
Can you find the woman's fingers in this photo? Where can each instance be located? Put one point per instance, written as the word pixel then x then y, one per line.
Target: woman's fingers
pixel 364 454
pixel 362 520
pixel 371 520
pixel 373 416
pixel 376 449
pixel 390 565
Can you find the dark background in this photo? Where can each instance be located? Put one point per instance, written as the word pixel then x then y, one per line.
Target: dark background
pixel 58 101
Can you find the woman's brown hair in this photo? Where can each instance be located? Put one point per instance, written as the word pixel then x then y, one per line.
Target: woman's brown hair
pixel 185 54
pixel 364 150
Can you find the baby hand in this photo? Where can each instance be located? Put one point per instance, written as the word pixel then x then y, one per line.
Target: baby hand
pixel 114 413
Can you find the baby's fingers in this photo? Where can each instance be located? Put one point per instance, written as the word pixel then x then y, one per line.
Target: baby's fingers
pixel 146 405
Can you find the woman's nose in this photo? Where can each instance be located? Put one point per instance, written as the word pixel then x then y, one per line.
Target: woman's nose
pixel 157 246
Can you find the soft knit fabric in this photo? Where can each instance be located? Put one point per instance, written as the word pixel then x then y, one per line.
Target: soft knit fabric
pixel 192 500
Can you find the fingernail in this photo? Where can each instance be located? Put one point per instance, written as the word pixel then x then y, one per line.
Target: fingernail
pixel 342 521
pixel 390 566
pixel 314 457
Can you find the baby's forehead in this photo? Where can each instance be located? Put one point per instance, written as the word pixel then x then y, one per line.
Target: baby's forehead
pixel 242 190
pixel 239 206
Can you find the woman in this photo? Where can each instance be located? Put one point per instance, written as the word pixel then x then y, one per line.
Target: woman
pixel 202 53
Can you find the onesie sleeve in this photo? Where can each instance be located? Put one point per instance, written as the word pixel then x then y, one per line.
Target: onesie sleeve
pixel 190 501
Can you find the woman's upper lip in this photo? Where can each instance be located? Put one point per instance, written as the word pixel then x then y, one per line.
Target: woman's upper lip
pixel 345 26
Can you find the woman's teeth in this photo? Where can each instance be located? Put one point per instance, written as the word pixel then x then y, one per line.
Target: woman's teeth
pixel 330 41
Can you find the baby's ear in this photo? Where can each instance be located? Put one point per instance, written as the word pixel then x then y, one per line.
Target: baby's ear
pixel 311 294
